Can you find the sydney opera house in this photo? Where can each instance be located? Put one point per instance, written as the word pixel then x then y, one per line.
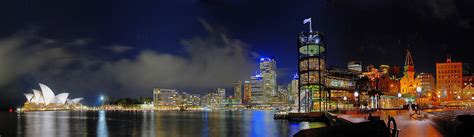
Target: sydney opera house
pixel 47 100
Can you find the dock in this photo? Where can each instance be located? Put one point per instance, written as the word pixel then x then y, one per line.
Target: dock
pixel 311 116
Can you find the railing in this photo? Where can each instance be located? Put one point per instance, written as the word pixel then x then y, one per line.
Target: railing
pixel 394 131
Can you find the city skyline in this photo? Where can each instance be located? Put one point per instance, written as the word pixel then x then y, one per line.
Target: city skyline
pixel 88 55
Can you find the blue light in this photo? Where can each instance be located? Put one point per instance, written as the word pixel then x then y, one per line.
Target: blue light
pixel 262 59
pixel 316 40
pixel 295 77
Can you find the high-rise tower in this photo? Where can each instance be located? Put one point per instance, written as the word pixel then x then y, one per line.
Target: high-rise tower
pixel 238 90
pixel 312 65
pixel 268 71
pixel 247 93
pixel 256 86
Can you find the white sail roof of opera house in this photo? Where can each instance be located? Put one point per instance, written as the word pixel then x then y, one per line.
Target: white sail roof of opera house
pixel 46 96
pixel 38 98
pixel 29 96
pixel 61 98
pixel 76 100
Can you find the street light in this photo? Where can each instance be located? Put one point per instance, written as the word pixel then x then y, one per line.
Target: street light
pixel 102 101
pixel 399 99
pixel 418 89
pixel 356 94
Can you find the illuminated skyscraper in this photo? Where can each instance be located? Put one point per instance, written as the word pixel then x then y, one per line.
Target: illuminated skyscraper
pixel 238 90
pixel 312 65
pixel 293 90
pixel 256 85
pixel 247 92
pixel 448 78
pixel 268 72
pixel 221 92
pixel 282 94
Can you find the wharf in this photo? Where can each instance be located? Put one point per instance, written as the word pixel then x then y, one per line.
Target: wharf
pixel 311 116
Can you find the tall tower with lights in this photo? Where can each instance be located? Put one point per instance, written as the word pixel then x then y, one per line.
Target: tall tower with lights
pixel 238 91
pixel 268 72
pixel 311 70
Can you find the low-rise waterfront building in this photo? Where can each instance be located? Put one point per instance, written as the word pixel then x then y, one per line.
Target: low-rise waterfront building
pixel 166 97
pixel 45 99
pixel 341 84
pixel 355 66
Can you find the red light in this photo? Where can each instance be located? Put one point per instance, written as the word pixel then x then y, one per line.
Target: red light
pixel 11 110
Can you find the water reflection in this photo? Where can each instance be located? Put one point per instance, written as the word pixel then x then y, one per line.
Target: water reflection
pixel 148 124
pixel 102 125
pixel 160 123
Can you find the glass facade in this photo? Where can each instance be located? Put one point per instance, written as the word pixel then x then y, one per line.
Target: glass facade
pixel 311 69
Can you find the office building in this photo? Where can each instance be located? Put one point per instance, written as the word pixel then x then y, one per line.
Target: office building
pixel 238 89
pixel 221 93
pixel 165 97
pixel 247 92
pixel 427 82
pixel 269 75
pixel 448 78
pixel 256 85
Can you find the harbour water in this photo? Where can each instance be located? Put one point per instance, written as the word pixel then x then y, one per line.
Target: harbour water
pixel 148 124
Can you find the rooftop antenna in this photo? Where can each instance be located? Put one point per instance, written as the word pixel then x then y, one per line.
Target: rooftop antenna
pixel 306 21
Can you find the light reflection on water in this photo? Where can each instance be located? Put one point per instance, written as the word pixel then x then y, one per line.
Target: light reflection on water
pixel 102 125
pixel 159 123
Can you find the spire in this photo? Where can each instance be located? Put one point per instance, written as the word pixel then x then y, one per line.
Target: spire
pixel 409 66
pixel 448 59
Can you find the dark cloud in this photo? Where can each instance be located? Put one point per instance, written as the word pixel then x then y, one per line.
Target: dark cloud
pixel 120 48
pixel 209 61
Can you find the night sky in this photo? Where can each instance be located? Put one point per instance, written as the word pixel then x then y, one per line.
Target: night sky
pixel 125 48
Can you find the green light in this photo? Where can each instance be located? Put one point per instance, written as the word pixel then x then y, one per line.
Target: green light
pixel 311 50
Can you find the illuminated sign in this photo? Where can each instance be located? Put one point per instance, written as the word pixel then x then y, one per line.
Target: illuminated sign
pixel 339 83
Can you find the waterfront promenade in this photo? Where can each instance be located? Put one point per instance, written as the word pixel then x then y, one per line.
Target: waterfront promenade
pixel 409 127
